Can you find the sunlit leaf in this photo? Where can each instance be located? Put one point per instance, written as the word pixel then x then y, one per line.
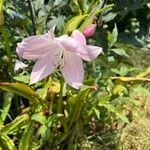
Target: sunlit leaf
pixel 76 104
pixel 20 89
pixel 97 112
pixel 104 100
pixel 89 20
pixel 120 115
pixel 39 118
pixel 115 35
pixel 120 52
pixel 1 13
pixel 42 131
pixel 22 78
pixel 26 138
pixel 6 105
pixel 145 73
pixel 15 124
pixel 129 79
pixel 73 23
pixel 119 89
pixel 6 143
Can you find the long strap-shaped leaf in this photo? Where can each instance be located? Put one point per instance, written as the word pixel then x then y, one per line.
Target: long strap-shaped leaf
pixel 6 143
pixel 128 79
pixel 20 89
pixel 20 121
pixel 26 138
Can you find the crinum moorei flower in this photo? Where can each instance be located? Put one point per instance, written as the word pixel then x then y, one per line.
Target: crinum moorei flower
pixel 65 52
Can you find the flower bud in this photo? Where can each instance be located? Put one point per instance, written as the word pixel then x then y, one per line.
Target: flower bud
pixel 89 30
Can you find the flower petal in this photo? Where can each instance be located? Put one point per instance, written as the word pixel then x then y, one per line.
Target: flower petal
pixel 44 67
pixel 67 43
pixel 36 46
pixel 73 71
pixel 77 45
pixel 77 35
pixel 51 35
pixel 88 53
pixel 93 51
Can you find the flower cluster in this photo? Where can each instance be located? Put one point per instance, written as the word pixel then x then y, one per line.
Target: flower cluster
pixel 65 52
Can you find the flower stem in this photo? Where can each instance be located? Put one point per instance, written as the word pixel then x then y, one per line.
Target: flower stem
pixel 60 99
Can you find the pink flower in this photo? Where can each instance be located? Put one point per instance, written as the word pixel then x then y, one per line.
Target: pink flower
pixel 64 52
pixel 89 30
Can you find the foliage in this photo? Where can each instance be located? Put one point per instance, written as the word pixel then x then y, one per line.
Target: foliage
pixel 52 115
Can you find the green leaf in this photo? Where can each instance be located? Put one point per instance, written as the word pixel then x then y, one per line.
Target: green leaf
pixel 120 115
pixel 41 24
pixel 145 73
pixel 109 16
pixel 129 79
pixel 112 37
pixel 120 52
pixel 108 7
pixel 58 21
pixel 115 35
pixel 89 20
pixel 6 105
pixel 39 118
pixel 74 23
pixel 76 105
pixel 42 131
pixel 6 143
pixel 119 89
pixel 1 13
pixel 123 70
pixel 97 112
pixel 26 138
pixel 104 100
pixel 20 89
pixel 52 120
pixel 22 78
pixel 15 124
pixel 93 12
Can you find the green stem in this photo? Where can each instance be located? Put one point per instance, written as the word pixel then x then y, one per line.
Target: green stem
pixel 60 100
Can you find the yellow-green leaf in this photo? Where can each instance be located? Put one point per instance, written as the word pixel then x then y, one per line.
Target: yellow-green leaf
pixel 6 143
pixel 20 89
pixel 73 23
pixel 6 106
pixel 88 20
pixel 26 138
pixel 1 13
pixel 145 73
pixel 129 79
pixel 15 124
